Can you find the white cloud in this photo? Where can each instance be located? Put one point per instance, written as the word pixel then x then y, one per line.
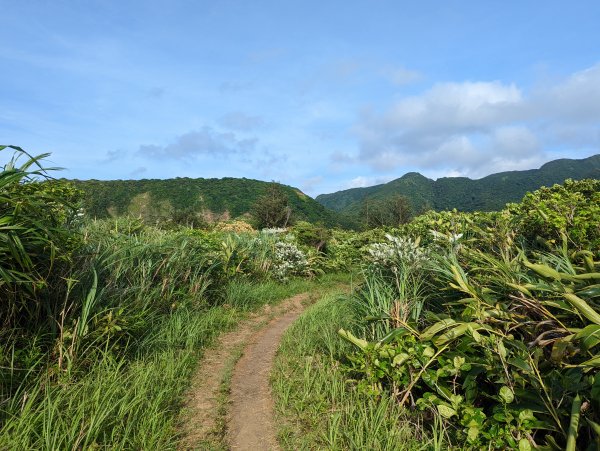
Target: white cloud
pixel 515 140
pixel 309 185
pixel 359 182
pixel 576 99
pixel 362 181
pixel 452 106
pixel 476 128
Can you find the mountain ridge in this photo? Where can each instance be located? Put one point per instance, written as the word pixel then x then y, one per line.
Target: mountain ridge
pixel 200 199
pixel 214 199
pixel 491 192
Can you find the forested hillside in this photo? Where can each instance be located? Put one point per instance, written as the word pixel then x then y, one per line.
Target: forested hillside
pixel 188 199
pixel 486 194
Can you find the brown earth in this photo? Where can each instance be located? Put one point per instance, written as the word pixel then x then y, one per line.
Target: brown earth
pixel 250 416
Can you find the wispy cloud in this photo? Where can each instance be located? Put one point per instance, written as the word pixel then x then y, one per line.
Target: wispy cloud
pixel 203 142
pixel 236 120
pixel 363 181
pixel 112 155
pixel 138 171
pixel 400 75
pixel 310 184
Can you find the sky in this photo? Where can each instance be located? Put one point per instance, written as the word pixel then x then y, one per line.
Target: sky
pixel 321 95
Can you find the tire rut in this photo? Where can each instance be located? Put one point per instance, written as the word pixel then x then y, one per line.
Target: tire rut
pixel 250 408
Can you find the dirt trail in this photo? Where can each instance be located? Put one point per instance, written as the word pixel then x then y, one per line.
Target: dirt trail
pixel 251 415
pixel 249 421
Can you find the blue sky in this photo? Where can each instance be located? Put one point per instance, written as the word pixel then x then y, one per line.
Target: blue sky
pixel 322 95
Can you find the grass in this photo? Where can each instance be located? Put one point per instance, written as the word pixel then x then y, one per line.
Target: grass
pixel 123 403
pixel 316 407
pixel 118 404
pixel 106 354
pixel 245 294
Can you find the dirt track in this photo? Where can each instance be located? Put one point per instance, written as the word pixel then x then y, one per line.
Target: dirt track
pixel 250 408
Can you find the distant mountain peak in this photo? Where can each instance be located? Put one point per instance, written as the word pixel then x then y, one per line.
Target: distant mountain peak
pixel 413 175
pixel 488 193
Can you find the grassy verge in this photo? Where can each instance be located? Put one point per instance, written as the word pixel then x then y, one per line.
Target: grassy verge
pixel 315 406
pixel 133 403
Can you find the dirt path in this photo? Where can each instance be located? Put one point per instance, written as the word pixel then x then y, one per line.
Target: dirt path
pixel 249 420
pixel 251 415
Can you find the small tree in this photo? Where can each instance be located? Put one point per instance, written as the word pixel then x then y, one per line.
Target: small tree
pixel 313 235
pixel 393 211
pixel 272 209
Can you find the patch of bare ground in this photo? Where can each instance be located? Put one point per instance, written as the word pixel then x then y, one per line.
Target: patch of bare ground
pixel 249 423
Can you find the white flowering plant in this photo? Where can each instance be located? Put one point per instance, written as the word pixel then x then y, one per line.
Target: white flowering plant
pixel 398 251
pixel 288 261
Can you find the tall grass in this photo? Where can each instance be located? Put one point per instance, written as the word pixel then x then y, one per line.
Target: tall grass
pixel 103 324
pixel 119 403
pixel 387 300
pixel 317 408
pixel 139 309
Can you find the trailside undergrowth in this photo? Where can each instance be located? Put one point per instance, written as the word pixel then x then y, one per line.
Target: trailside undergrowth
pixel 316 407
pixel 130 402
pixel 488 324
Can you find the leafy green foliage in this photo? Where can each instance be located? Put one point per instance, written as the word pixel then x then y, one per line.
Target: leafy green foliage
pixel 504 350
pixel 191 201
pixel 317 411
pixel 570 210
pixel 391 211
pixel 466 319
pixel 272 209
pixel 110 311
pixel 35 237
pixel 312 235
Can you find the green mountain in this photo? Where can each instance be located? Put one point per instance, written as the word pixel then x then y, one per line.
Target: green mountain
pixel 485 194
pixel 207 199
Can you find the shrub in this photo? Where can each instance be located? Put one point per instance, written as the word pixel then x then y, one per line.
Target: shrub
pixel 572 210
pixel 288 261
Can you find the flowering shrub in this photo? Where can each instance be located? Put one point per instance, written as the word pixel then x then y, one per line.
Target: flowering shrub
pixel 274 231
pixel 288 261
pixel 398 251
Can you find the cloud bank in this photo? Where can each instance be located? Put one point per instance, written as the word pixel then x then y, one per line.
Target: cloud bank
pixel 476 128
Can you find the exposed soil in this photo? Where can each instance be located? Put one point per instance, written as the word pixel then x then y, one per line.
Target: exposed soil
pixel 250 417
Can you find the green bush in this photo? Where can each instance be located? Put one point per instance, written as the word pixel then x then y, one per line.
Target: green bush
pixel 35 238
pixel 571 210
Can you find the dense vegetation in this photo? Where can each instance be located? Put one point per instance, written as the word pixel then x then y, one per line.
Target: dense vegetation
pixel 191 201
pixel 483 327
pixel 487 194
pixel 102 321
pixel 467 330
